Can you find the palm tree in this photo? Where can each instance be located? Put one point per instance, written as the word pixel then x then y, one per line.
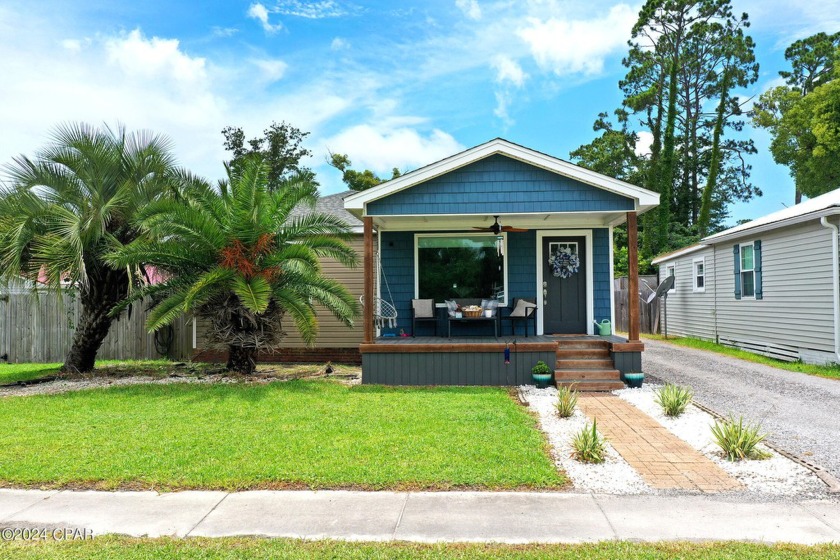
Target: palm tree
pixel 76 200
pixel 240 258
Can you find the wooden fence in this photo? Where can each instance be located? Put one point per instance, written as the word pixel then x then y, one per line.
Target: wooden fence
pixel 40 329
pixel 648 312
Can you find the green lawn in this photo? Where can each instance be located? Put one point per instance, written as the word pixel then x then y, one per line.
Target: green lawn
pixel 12 373
pixel 236 548
pixel 316 434
pixel 832 371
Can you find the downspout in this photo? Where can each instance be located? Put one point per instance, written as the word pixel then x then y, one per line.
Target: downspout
pixel 835 268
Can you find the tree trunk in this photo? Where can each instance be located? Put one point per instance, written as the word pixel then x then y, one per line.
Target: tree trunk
pixel 242 359
pixel 104 290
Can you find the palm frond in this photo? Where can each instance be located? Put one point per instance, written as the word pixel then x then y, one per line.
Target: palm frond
pixel 255 294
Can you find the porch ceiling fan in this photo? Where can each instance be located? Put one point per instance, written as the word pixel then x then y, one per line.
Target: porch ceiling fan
pixel 497 228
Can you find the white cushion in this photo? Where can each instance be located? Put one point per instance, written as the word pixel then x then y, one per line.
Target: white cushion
pixel 523 308
pixel 451 306
pixel 423 307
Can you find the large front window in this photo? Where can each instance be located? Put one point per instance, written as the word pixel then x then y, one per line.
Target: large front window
pixel 457 266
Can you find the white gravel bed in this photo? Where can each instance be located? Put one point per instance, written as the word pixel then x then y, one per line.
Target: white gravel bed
pixel 613 476
pixel 776 476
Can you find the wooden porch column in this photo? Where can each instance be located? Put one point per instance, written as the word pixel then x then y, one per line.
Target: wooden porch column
pixel 369 272
pixel 633 277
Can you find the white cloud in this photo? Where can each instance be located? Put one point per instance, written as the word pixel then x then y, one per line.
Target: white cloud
pixel 271 70
pixel 72 45
pixel 508 70
pixel 312 9
pixel 224 31
pixel 339 44
pixel 260 13
pixel 644 143
pixel 578 46
pixel 156 58
pixel 371 147
pixel 470 8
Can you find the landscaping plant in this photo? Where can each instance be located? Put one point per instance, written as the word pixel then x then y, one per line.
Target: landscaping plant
pixel 240 258
pixel 673 399
pixel 566 401
pixel 739 440
pixel 66 208
pixel 589 446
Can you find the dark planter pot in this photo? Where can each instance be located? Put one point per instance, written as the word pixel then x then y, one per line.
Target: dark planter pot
pixel 634 380
pixel 541 380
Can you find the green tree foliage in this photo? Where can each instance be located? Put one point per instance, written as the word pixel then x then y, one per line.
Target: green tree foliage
pixel 241 256
pixel 357 180
pixel 803 117
pixel 74 202
pixel 685 59
pixel 281 148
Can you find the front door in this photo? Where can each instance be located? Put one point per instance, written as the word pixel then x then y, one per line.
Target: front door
pixel 564 285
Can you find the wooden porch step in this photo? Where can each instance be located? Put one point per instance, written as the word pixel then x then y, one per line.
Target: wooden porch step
pixel 582 353
pixel 586 363
pixel 583 344
pixel 592 385
pixel 600 374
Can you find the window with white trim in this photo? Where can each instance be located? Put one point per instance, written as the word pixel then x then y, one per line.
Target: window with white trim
pixel 671 270
pixel 458 266
pixel 747 271
pixel 699 274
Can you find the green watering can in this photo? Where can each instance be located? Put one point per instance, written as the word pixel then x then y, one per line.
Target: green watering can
pixel 604 327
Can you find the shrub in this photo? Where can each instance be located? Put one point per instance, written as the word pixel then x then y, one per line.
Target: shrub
pixel 589 446
pixel 541 369
pixel 738 440
pixel 673 399
pixel 566 401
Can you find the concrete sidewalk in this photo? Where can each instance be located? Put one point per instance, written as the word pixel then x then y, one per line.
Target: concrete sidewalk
pixel 511 517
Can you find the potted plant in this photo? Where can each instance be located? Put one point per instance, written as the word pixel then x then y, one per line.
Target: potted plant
pixel 541 374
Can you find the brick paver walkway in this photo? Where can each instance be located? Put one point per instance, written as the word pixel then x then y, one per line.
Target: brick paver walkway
pixel 664 460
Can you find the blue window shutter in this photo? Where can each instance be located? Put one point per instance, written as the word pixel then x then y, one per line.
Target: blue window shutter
pixel 759 294
pixel 736 252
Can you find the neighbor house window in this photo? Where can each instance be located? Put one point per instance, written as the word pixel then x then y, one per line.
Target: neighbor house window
pixel 454 266
pixel 699 266
pixel 747 271
pixel 670 270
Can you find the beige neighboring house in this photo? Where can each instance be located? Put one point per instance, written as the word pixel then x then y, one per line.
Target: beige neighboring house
pixel 336 342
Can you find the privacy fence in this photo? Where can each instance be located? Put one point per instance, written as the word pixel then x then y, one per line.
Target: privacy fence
pixel 648 312
pixel 39 328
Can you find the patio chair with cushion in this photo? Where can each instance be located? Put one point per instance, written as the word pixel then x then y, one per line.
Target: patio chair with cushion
pixel 423 310
pixel 524 310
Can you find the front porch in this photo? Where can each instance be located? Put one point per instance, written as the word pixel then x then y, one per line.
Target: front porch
pixel 521 233
pixel 592 363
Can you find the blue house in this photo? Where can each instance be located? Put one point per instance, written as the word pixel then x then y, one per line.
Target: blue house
pixel 497 222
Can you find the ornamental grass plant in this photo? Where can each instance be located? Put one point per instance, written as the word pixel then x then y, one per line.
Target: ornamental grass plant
pixel 566 401
pixel 739 440
pixel 673 399
pixel 589 446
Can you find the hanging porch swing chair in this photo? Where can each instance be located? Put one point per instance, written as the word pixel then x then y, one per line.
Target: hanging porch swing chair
pixel 384 312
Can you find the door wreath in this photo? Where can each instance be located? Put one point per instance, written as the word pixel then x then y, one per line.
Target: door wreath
pixel 564 263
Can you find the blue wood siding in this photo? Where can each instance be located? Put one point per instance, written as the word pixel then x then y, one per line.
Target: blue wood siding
pixel 397 266
pixel 397 259
pixel 499 185
pixel 603 285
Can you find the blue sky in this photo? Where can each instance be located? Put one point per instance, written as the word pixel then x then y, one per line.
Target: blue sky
pixel 389 83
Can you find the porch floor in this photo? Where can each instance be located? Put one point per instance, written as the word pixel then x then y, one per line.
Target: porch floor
pixel 444 341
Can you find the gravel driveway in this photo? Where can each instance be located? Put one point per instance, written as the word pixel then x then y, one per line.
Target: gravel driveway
pixel 801 412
